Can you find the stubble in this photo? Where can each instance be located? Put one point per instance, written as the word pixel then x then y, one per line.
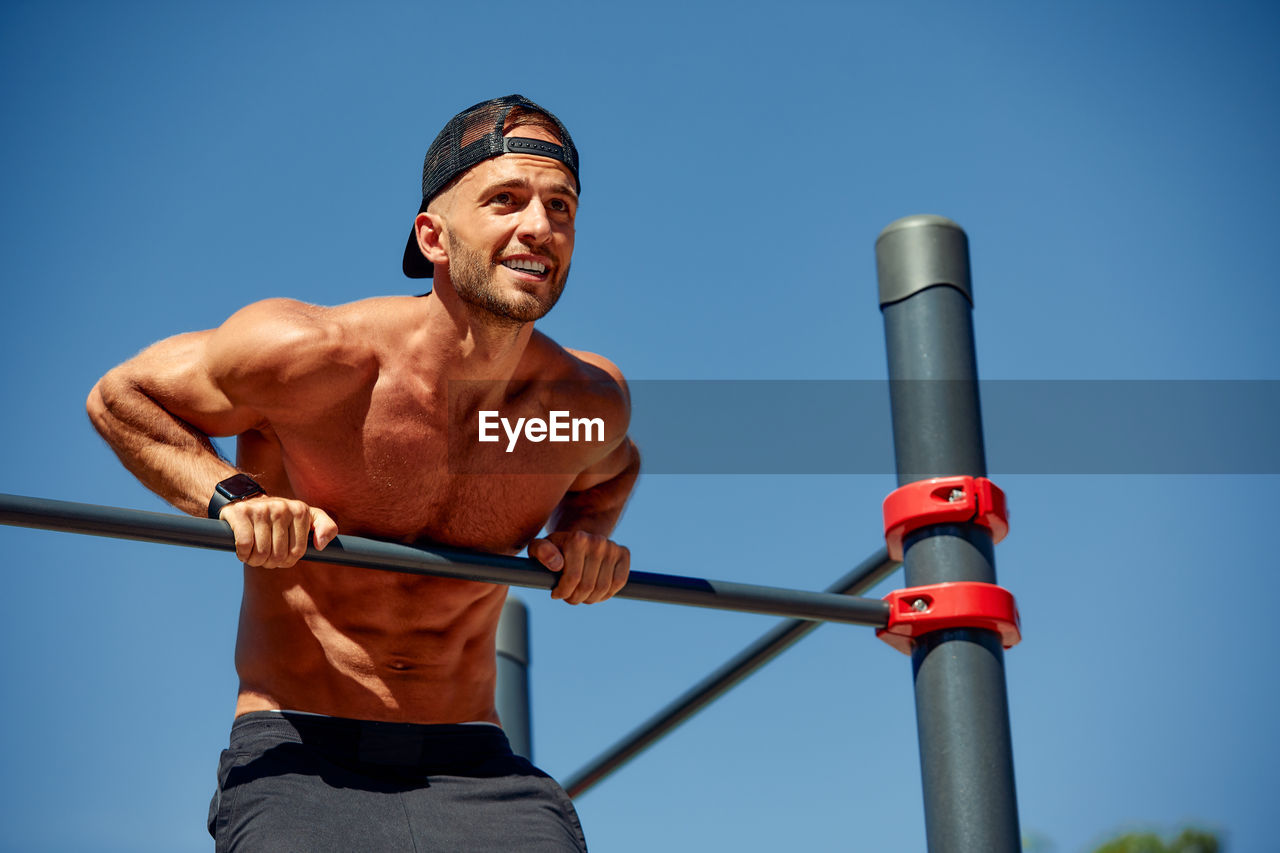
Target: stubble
pixel 473 276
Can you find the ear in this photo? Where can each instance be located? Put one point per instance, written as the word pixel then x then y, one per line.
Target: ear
pixel 429 228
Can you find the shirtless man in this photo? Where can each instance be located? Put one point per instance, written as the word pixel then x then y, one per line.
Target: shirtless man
pixel 365 718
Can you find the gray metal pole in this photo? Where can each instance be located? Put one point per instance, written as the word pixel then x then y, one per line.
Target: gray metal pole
pixel 344 550
pixel 962 710
pixel 512 693
pixel 862 578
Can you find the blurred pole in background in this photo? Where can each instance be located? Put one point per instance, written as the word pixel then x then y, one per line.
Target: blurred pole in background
pixel 512 695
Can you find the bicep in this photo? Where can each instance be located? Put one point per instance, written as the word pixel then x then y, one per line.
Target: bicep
pixel 223 381
pixel 180 375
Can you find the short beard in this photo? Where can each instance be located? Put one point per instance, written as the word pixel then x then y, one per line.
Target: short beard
pixel 472 278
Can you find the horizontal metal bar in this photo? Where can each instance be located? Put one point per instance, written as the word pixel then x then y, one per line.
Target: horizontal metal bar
pixel 863 577
pixel 184 530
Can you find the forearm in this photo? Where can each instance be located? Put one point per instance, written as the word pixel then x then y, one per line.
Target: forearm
pixel 168 455
pixel 598 508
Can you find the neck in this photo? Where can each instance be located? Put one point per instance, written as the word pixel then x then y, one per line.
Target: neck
pixel 466 342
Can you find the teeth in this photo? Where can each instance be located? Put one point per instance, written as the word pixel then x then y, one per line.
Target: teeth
pixel 521 264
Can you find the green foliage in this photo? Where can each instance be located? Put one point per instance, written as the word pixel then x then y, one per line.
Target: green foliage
pixel 1188 841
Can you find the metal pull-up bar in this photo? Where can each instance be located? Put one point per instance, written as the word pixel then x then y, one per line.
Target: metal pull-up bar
pixel 171 529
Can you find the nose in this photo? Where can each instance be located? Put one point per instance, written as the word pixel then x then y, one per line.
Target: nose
pixel 534 226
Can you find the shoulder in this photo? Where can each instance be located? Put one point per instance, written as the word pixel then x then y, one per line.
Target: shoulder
pixel 281 342
pixel 555 362
pixel 596 364
pixel 263 321
pixel 587 380
pixel 551 361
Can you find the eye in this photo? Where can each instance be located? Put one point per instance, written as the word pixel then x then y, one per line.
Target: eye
pixel 503 198
pixel 559 205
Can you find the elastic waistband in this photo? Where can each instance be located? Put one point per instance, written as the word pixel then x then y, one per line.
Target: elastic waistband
pixel 425 748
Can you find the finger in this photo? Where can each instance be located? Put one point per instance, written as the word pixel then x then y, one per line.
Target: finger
pixel 323 528
pixel 587 585
pixel 593 550
pixel 599 590
pixel 261 540
pixel 546 552
pixel 604 584
pixel 278 518
pixel 621 571
pixel 574 550
pixel 298 530
pixel 242 531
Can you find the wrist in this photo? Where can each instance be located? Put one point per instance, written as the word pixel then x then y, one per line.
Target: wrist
pixel 233 489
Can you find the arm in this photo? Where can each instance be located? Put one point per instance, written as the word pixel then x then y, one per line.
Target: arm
pixel 595 501
pixel 158 409
pixel 577 543
pixel 595 567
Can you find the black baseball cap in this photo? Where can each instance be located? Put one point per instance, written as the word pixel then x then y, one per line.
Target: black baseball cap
pixel 471 137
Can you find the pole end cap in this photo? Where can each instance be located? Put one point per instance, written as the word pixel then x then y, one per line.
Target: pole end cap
pixel 921 251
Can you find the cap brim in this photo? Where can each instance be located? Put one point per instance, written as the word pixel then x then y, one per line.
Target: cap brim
pixel 415 264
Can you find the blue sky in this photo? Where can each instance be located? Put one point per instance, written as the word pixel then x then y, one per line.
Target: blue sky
pixel 1114 165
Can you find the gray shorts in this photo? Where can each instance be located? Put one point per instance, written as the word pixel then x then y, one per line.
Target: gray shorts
pixel 297 782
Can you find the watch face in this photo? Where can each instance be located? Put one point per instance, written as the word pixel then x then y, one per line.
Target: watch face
pixel 237 487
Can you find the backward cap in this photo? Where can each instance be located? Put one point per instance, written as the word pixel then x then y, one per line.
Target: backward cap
pixel 471 137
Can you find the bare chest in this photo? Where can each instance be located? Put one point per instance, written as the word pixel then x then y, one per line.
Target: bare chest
pixel 398 463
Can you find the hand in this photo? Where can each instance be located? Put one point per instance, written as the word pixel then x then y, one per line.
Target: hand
pixel 271 532
pixel 593 567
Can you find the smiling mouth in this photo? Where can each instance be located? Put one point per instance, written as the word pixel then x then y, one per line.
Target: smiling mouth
pixel 526 266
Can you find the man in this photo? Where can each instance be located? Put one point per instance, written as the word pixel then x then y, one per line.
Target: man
pixel 365 718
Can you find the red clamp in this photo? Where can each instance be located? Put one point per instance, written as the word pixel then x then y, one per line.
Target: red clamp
pixel 962 604
pixel 943 500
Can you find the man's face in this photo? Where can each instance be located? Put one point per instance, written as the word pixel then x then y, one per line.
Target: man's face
pixel 510 232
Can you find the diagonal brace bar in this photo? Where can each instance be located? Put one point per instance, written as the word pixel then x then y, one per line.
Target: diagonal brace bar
pixel 861 578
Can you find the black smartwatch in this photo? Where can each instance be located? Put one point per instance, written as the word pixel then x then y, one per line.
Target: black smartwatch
pixel 232 489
